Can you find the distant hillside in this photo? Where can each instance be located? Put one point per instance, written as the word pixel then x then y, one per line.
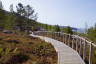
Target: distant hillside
pixel 81 30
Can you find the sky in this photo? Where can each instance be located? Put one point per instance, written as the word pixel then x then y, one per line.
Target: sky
pixel 74 13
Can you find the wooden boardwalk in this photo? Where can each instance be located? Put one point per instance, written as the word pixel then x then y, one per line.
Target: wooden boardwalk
pixel 66 55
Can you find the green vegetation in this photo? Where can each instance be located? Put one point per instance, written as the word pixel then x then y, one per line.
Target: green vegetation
pixel 91 33
pixel 21 19
pixel 57 28
pixel 68 30
pixel 17 49
pixel 24 19
pixel 25 49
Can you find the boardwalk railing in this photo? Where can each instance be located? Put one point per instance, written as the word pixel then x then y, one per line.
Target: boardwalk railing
pixel 85 48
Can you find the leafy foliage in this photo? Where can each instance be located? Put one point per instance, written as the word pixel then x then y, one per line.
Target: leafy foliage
pixel 57 28
pixel 21 20
pixel 68 30
pixel 2 18
pixel 92 33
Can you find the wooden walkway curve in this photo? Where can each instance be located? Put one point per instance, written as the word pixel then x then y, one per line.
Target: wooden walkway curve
pixel 66 55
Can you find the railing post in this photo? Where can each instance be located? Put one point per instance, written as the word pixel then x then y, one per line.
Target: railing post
pixel 43 33
pixel 72 42
pixel 69 40
pixel 84 49
pixel 47 34
pixel 66 39
pixel 77 44
pixel 80 46
pixel 63 38
pixel 52 35
pixel 55 35
pixel 90 53
pixel 59 36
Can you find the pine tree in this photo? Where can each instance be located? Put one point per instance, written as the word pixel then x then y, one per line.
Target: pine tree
pixel 68 30
pixel 10 19
pixel 57 28
pixel 11 8
pixel 2 16
pixel 1 6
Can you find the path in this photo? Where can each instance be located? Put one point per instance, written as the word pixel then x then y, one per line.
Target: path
pixel 66 55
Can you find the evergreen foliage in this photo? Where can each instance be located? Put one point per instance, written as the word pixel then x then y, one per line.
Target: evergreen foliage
pixel 57 28
pixel 68 30
pixel 92 33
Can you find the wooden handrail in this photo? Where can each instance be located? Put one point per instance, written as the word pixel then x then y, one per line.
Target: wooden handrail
pixel 76 42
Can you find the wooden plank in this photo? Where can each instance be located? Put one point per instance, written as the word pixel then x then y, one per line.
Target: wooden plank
pixel 66 55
